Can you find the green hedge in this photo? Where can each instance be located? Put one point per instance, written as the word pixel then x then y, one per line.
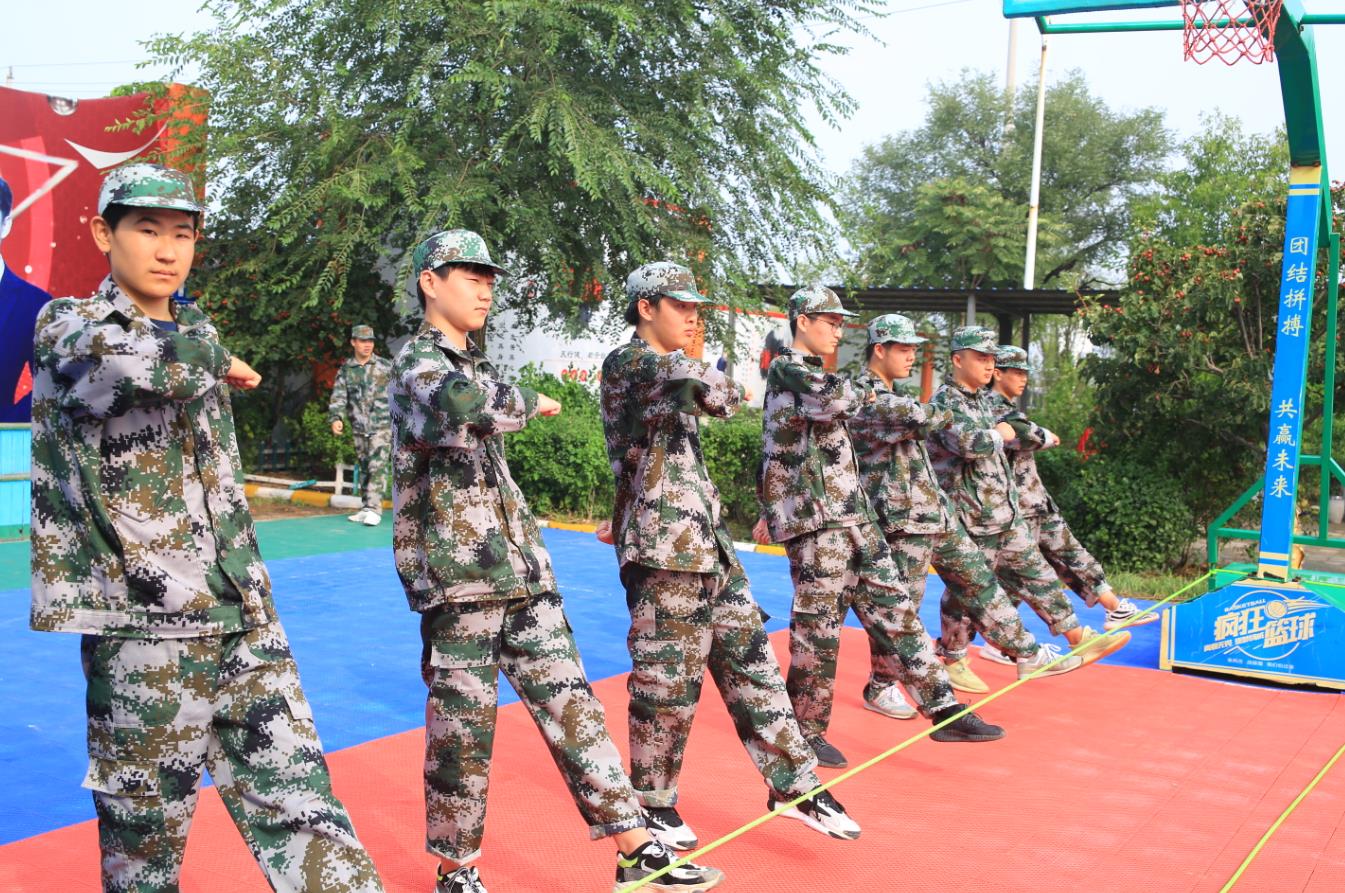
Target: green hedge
pixel 560 462
pixel 1131 517
pixel 732 450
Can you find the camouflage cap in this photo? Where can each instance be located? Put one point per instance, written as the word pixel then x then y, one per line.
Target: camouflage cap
pixel 893 327
pixel 976 338
pixel 362 333
pixel 1009 357
pixel 816 299
pixel 663 278
pixel 453 246
pixel 144 185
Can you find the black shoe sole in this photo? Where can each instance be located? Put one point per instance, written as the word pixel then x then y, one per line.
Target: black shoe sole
pixel 943 738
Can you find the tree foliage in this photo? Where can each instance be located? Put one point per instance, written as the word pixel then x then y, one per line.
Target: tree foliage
pixel 1183 377
pixel 580 138
pixel 945 203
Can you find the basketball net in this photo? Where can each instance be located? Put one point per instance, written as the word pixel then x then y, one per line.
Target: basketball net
pixel 1230 30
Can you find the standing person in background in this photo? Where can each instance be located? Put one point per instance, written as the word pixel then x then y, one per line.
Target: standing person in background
pixel 20 302
pixel 918 522
pixel 970 458
pixel 1072 563
pixel 690 605
pixel 471 559
pixel 814 504
pixel 143 542
pixel 360 393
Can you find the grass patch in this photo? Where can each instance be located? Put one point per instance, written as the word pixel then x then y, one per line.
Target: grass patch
pixel 1152 586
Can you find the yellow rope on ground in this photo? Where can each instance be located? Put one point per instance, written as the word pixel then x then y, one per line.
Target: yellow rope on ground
pixel 1302 795
pixel 850 773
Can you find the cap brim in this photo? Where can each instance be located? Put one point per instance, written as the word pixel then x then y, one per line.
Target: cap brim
pixel 158 204
pixel 691 297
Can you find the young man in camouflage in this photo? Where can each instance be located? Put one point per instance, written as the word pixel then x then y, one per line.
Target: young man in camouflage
pixel 687 593
pixel 360 393
pixel 471 559
pixel 813 503
pixel 913 511
pixel 142 542
pixel 1072 563
pixel 972 465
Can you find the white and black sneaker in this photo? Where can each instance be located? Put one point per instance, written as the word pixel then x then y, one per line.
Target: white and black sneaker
pixel 1127 613
pixel 464 880
pixel 651 858
pixel 667 827
pixel 821 812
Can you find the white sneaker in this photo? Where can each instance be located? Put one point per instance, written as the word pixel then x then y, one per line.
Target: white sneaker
pixel 1127 613
pixel 991 653
pixel 1046 653
pixel 358 517
pixel 371 518
pixel 824 813
pixel 669 828
pixel 891 702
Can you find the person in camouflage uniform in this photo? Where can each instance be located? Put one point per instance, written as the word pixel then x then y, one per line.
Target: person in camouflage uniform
pixel 688 596
pixel 970 459
pixel 143 543
pixel 1072 563
pixel 838 560
pixel 471 559
pixel 913 511
pixel 360 393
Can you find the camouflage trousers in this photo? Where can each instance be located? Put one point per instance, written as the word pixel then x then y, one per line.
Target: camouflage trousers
pixel 680 622
pixel 1023 572
pixel 836 570
pixel 971 593
pixel 159 710
pixel 1073 564
pixel 373 457
pixel 464 648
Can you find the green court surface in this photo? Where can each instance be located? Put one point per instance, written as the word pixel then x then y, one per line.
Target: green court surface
pixel 281 538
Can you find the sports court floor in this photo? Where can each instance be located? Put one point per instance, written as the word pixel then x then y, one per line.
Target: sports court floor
pixel 1117 778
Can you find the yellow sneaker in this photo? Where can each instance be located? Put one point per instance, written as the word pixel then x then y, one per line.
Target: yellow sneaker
pixel 1094 647
pixel 965 679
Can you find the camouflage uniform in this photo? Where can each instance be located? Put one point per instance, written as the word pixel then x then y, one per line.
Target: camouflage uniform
pixel 913 512
pixel 142 541
pixel 838 559
pixel 688 596
pixel 1073 564
pixel 360 396
pixel 973 469
pixel 471 559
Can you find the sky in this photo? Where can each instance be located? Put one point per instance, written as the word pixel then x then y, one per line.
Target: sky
pixel 82 48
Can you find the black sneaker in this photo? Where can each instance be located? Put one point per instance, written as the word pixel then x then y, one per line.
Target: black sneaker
pixel 822 812
pixel 667 827
pixel 828 755
pixel 968 727
pixel 464 880
pixel 653 856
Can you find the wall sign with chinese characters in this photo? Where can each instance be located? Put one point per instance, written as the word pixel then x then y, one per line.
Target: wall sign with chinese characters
pixel 1293 325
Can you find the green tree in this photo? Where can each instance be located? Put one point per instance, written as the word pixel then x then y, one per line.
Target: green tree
pixel 580 138
pixel 1183 374
pixel 974 149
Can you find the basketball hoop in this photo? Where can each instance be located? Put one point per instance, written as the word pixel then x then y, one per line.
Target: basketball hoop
pixel 1230 30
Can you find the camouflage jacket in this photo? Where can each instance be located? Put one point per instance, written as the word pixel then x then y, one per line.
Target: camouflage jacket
pixel 889 436
pixel 666 513
pixel 809 476
pixel 140 526
pixel 970 460
pixel 463 532
pixel 1033 500
pixel 360 394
